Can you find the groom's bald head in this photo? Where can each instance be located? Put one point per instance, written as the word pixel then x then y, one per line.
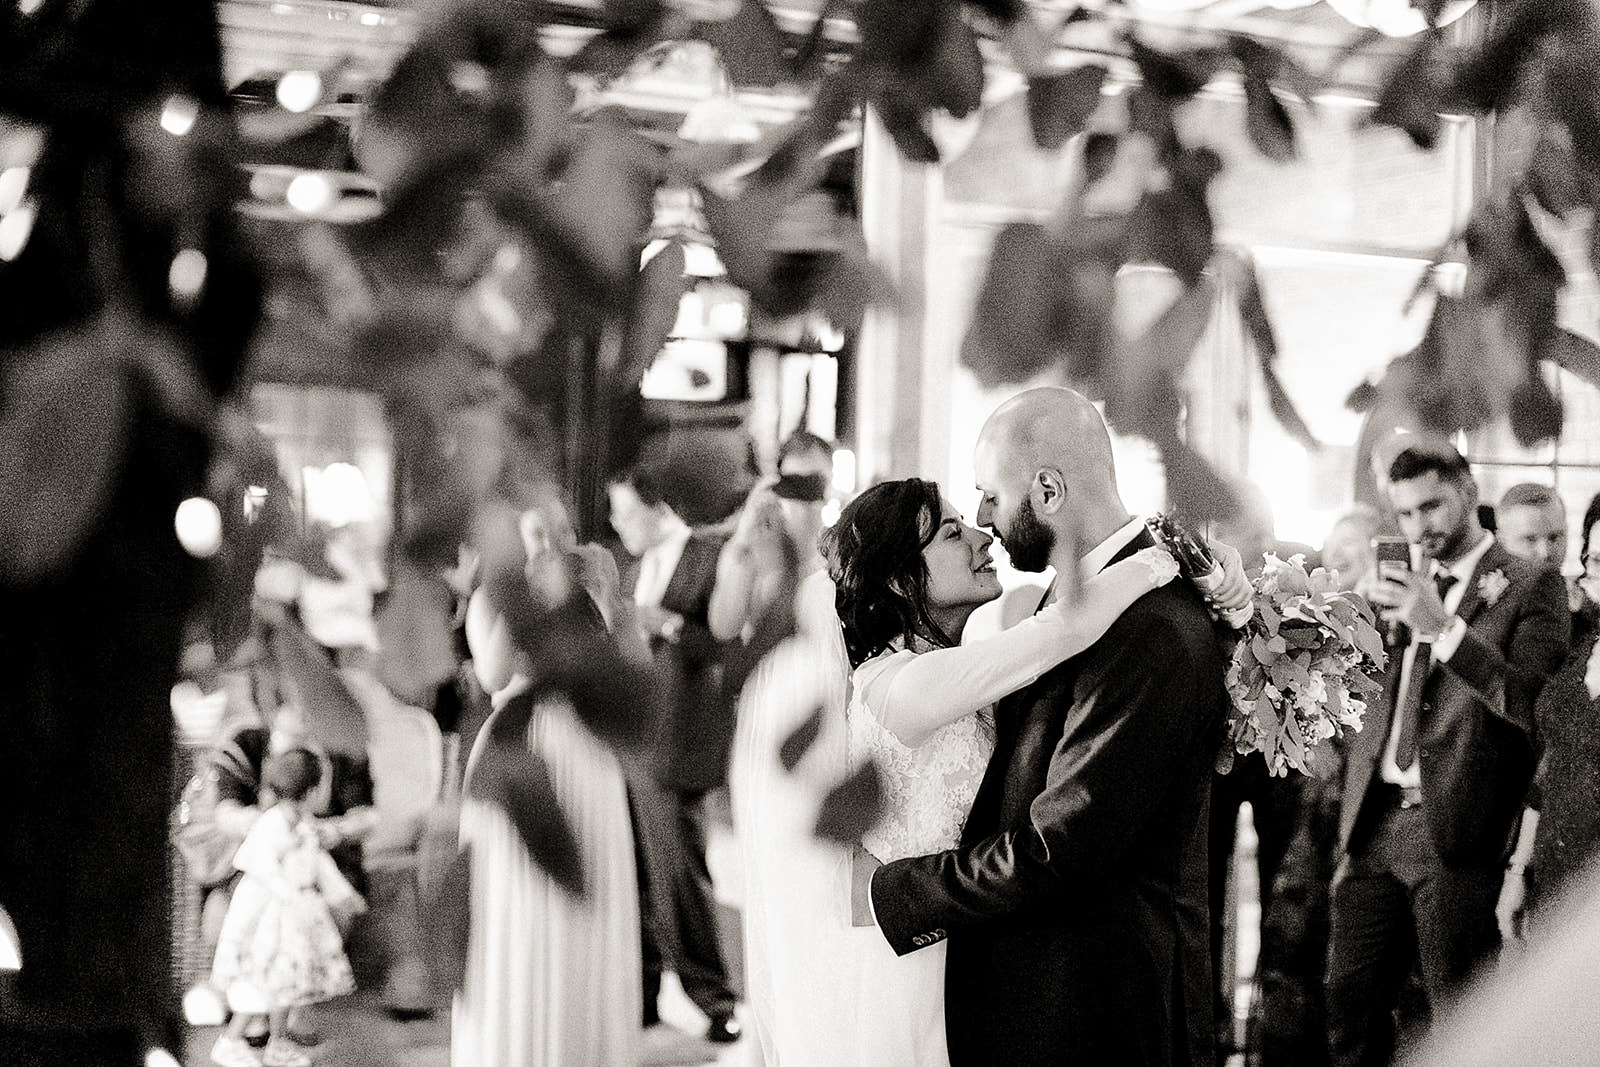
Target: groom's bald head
pixel 1045 469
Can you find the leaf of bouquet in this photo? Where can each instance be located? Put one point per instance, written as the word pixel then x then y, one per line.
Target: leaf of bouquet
pixel 1060 103
pixel 657 292
pixel 904 116
pixel 1015 326
pixel 807 62
pixel 1273 64
pixel 418 122
pixel 333 715
pixel 415 624
pixel 1551 178
pixel 592 223
pixel 1487 77
pixel 1413 93
pixel 1571 71
pixel 953 75
pixel 1253 309
pixel 1193 485
pixel 1177 76
pixel 630 15
pixel 852 807
pixel 447 923
pixel 1442 380
pixel 800 740
pixel 1510 258
pixel 1099 156
pixel 510 775
pixel 895 32
pixel 1535 412
pixel 68 413
pixel 749 44
pixel 1268 121
pixel 1364 39
pixel 1172 226
pixel 610 53
pixel 1006 11
pixel 1575 354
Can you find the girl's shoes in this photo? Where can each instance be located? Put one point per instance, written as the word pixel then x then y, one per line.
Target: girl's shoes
pixel 233 1052
pixel 283 1053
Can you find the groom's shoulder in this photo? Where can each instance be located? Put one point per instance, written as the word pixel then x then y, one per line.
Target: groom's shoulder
pixel 1171 620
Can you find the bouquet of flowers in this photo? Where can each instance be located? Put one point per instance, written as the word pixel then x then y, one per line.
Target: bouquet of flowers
pixel 1302 668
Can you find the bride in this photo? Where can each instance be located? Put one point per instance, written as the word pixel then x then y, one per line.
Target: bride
pixel 906 574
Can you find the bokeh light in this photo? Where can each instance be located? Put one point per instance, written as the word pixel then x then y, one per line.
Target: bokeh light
pixel 199 527
pixel 13 183
pixel 179 115
pixel 299 90
pixel 310 194
pixel 187 275
pixel 15 227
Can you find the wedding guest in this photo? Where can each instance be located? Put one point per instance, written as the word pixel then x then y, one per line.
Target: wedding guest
pixel 551 980
pixel 751 560
pixel 1274 802
pixel 1435 781
pixel 1348 547
pixel 1561 826
pixel 280 947
pixel 1531 522
pixel 677 570
pixel 1290 1015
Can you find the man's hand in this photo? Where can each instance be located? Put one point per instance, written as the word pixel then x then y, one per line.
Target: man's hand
pixel 1508 911
pixel 1229 590
pixel 1410 598
pixel 862 866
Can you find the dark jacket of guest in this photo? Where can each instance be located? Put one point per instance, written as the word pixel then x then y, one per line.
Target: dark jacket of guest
pixel 1569 780
pixel 238 762
pixel 1476 729
pixel 697 735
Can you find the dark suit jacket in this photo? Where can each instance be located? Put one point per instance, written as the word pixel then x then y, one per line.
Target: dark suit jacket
pixel 697 735
pixel 1475 743
pixel 1076 904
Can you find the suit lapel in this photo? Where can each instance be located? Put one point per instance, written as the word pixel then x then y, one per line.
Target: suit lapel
pixel 1472 601
pixel 1012 715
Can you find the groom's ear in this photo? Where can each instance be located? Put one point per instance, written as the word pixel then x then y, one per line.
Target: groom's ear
pixel 1049 490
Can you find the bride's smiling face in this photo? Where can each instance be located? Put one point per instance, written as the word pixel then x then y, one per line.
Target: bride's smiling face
pixel 960 572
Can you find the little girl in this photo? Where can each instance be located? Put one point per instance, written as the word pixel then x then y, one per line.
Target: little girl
pixel 279 947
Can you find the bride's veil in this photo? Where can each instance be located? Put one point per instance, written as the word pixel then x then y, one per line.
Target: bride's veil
pixel 796 888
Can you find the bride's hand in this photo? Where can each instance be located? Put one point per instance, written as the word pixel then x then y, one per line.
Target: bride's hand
pixel 1227 592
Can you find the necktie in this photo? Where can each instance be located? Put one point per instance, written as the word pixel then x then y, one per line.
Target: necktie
pixel 1405 752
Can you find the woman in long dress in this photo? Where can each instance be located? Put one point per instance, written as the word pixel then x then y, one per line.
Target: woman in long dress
pixel 907 573
pixel 551 980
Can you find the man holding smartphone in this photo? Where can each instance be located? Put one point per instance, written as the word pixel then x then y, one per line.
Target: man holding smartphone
pixel 1435 781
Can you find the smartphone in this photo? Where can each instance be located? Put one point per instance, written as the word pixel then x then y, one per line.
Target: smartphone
pixel 1392 553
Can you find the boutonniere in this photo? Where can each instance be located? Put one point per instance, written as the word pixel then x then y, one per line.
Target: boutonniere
pixel 1492 585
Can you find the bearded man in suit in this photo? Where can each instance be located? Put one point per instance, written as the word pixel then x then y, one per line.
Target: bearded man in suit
pixel 1075 906
pixel 1434 788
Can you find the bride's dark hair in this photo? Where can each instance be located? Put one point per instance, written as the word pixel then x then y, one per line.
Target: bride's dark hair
pixel 874 555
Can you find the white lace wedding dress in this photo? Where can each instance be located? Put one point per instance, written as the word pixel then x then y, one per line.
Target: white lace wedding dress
pixel 822 992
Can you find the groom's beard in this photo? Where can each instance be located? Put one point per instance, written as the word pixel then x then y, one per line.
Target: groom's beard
pixel 1030 541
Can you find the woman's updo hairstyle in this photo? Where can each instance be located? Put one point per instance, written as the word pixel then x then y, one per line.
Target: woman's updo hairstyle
pixel 874 555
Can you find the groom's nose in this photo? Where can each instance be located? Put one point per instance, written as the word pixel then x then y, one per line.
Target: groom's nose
pixel 985 514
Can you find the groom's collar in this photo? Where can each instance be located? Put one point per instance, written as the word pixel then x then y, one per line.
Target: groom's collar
pixel 1096 559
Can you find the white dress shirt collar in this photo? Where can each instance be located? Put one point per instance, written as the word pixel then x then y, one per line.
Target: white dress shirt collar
pixel 1095 560
pixel 1461 569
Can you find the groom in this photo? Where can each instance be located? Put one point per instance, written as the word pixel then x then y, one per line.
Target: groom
pixel 1076 903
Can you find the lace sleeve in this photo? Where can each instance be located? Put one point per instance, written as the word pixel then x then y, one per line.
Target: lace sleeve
pixel 913 696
